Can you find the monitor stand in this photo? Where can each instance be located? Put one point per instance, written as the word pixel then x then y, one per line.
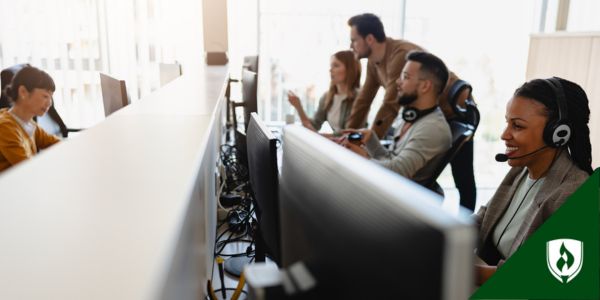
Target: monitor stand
pixel 234 266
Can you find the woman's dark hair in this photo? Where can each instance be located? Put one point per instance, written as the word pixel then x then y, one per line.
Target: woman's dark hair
pixel 31 78
pixel 368 24
pixel 578 112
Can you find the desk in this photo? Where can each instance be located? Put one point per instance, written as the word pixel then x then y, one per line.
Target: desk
pixel 127 209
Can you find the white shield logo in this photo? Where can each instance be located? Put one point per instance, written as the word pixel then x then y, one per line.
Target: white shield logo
pixel 564 258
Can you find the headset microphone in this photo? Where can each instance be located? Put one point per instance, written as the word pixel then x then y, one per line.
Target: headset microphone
pixel 501 157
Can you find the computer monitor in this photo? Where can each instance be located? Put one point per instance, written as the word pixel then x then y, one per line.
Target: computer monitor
pixel 249 94
pixel 168 72
pixel 262 167
pixel 251 63
pixel 365 232
pixel 114 94
pixel 242 149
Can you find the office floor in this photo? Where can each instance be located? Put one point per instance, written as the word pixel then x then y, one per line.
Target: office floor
pixel 485 189
pixel 230 282
pixel 452 199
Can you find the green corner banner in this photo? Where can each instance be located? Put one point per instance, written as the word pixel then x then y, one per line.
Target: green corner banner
pixel 561 259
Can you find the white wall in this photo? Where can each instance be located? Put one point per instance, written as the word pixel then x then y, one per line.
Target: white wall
pixel 576 57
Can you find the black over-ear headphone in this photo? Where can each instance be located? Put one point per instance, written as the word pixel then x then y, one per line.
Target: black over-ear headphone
pixel 411 114
pixel 557 133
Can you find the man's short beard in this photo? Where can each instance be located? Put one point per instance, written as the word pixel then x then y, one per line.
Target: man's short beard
pixel 406 99
pixel 367 54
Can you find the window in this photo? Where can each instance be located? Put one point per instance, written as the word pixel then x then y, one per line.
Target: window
pixel 583 15
pixel 296 41
pixel 485 43
pixel 126 39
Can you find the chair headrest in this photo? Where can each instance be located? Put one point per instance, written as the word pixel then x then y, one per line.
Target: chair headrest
pixel 7 74
pixel 456 89
pixel 469 113
pixel 6 77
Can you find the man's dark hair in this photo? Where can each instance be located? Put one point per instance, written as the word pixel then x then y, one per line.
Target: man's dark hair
pixel 432 67
pixel 368 24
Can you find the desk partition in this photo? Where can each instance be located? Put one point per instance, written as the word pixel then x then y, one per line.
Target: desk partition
pixel 126 210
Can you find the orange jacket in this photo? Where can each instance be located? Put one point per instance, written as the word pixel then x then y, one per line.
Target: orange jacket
pixel 15 143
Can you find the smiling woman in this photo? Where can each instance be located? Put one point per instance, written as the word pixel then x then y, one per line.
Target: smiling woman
pixel 548 147
pixel 20 137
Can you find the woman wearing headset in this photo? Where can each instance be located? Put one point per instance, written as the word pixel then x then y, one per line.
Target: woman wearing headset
pixel 336 104
pixel 20 137
pixel 548 147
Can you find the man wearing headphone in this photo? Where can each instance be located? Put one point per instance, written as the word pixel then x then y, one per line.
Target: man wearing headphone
pixel 386 60
pixel 423 135
pixel 548 145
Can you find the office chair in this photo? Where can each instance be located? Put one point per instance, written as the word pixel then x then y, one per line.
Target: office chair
pixel 468 114
pixel 6 77
pixel 168 72
pixel 51 122
pixel 250 64
pixel 114 94
pixel 463 129
pixel 461 133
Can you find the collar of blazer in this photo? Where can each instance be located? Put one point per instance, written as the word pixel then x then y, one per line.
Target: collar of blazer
pixel 506 191
pixel 554 177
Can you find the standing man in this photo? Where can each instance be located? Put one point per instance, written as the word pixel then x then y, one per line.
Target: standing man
pixel 386 59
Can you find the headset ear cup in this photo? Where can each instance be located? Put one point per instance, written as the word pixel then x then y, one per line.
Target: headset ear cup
pixel 410 114
pixel 557 134
pixel 548 133
pixel 561 135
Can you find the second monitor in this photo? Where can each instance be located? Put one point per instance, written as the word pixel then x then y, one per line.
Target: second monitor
pixel 114 94
pixel 364 232
pixel 262 164
pixel 249 94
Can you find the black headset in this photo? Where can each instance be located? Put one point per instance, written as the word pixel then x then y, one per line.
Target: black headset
pixel 411 114
pixel 558 133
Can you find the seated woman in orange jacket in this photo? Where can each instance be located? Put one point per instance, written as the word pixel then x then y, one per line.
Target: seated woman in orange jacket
pixel 20 137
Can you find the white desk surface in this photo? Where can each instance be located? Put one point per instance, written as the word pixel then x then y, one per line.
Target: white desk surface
pixel 174 97
pixel 99 216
